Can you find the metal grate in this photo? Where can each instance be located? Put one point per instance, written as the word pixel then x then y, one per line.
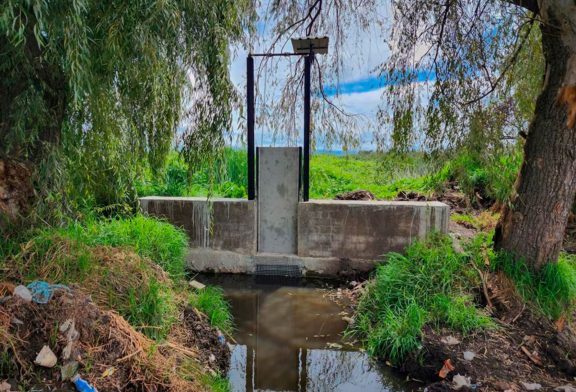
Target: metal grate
pixel 280 270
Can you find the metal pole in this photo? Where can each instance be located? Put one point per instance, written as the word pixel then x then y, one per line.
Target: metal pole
pixel 250 127
pixel 306 168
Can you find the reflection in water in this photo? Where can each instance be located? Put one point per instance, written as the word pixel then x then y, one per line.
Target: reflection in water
pixel 283 335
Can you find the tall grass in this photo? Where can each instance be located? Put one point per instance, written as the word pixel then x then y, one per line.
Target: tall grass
pixel 552 289
pixel 125 280
pixel 211 302
pixel 155 239
pixel 430 284
pixel 383 174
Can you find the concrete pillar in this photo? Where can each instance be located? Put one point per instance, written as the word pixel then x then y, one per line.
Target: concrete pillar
pixel 278 196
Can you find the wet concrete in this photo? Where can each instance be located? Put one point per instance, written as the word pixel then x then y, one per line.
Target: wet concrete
pixel 288 337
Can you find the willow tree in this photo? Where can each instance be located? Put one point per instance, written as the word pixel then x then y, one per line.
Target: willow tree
pixel 468 49
pixel 91 89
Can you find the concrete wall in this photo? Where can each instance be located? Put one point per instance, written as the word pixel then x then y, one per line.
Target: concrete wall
pixel 334 237
pixel 365 230
pixel 231 225
pixel 278 195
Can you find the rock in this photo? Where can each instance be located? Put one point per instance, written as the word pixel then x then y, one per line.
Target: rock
pixel 459 381
pixel 565 388
pixel 69 370
pixel 197 285
pixel 5 387
pixel 531 386
pixel 212 358
pixel 450 340
pixel 469 355
pixel 46 358
pixel 349 320
pixel 23 292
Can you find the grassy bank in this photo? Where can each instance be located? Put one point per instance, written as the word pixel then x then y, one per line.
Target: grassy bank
pixel 431 284
pixel 383 174
pixel 434 286
pixel 134 266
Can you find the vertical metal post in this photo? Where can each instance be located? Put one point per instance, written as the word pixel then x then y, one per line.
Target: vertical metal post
pixel 250 127
pixel 306 168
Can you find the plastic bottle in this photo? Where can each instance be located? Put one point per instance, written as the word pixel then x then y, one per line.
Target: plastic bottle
pixel 82 385
pixel 220 337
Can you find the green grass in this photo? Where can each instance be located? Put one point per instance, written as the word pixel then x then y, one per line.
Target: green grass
pixel 193 370
pixel 383 174
pixel 331 175
pixel 430 284
pixel 155 239
pixel 211 302
pixel 552 289
pixel 128 281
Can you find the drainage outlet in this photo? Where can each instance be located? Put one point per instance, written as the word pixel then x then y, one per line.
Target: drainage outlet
pixel 278 270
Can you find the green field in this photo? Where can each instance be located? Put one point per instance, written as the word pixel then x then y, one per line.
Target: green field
pixel 383 174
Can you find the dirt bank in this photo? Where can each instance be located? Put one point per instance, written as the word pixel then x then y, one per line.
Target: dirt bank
pixel 103 347
pixel 525 349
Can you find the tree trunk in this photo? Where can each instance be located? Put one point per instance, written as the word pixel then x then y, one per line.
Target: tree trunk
pixel 532 227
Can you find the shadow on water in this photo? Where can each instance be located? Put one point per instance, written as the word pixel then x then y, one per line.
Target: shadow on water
pixel 288 338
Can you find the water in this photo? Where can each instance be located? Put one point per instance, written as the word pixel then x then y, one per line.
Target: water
pixel 288 339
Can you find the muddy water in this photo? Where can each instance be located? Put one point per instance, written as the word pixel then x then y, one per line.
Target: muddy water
pixel 289 338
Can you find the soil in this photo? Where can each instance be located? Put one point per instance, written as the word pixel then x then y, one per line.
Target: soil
pixel 525 348
pixel 457 200
pixel 111 355
pixel 204 337
pixel 356 195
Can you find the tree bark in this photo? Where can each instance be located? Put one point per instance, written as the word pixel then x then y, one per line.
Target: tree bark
pixel 532 227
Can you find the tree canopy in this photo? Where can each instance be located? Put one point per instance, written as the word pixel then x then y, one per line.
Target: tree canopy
pixel 101 86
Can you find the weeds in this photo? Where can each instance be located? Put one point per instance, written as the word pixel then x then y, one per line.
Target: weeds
pixel 189 370
pixel 126 280
pixel 211 302
pixel 552 290
pixel 428 285
pixel 152 238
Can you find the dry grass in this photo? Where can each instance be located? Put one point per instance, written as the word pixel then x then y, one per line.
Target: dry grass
pixel 107 341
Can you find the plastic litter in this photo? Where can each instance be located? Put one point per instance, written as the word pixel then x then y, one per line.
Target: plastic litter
pixel 68 370
pixel 42 291
pixel 46 358
pixel 531 386
pixel 221 338
pixel 459 382
pixel 82 385
pixel 23 292
pixel 469 355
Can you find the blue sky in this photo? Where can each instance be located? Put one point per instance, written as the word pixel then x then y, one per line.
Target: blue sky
pixel 359 91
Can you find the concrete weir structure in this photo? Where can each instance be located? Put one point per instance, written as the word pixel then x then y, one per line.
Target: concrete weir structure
pixel 328 237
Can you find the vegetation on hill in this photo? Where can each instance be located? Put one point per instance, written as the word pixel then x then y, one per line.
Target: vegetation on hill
pixel 383 174
pixel 133 266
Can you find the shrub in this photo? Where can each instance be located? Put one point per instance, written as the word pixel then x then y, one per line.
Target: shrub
pixel 211 302
pixel 430 284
